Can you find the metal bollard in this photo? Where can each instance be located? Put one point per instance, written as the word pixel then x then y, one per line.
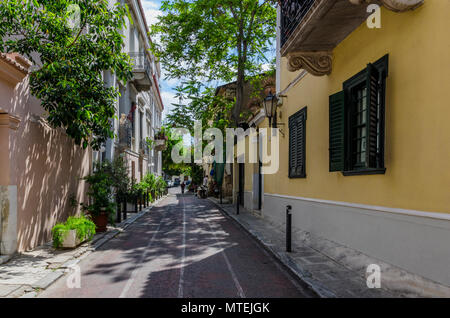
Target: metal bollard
pixel 119 207
pixel 136 204
pixel 145 200
pixel 124 207
pixel 289 229
pixel 238 197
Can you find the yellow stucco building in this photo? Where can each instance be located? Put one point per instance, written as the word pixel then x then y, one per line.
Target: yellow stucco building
pixel 364 160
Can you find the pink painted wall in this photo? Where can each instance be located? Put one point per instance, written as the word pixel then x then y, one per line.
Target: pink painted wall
pixel 44 164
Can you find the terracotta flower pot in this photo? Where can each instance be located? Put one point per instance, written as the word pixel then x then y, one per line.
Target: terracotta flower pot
pixel 101 221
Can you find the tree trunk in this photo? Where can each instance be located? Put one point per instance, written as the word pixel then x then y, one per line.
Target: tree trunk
pixel 239 96
pixel 240 82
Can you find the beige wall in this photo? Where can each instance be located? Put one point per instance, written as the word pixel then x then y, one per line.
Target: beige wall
pixel 45 166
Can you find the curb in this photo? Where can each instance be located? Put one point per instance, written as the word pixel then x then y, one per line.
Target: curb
pixel 283 258
pixel 52 277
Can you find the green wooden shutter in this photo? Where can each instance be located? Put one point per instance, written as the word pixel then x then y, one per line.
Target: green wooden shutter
pixel 337 132
pixel 297 144
pixel 372 116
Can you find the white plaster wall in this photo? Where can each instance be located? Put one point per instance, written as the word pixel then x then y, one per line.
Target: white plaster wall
pixel 248 200
pixel 8 220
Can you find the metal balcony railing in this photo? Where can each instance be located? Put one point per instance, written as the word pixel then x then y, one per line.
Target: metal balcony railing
pixel 126 136
pixel 292 13
pixel 141 63
pixel 144 147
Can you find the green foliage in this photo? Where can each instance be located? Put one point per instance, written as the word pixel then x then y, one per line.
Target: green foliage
pixel 161 134
pixel 85 229
pixel 205 42
pixel 100 190
pixel 197 174
pixel 169 167
pixel 149 184
pixel 150 142
pixel 68 62
pixel 119 174
pixel 160 185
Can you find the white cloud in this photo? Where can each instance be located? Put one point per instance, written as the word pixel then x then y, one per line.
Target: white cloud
pixel 266 67
pixel 150 4
pixel 168 99
pixel 152 11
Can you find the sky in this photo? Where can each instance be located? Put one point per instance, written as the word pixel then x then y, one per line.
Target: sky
pixel 151 8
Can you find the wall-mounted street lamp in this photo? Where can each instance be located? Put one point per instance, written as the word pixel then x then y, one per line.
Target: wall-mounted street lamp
pixel 270 107
pixel 271 103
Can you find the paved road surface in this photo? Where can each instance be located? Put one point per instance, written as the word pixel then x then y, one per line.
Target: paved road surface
pixel 183 248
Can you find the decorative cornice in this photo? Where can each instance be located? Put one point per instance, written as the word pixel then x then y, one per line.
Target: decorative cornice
pixel 10 121
pixel 19 62
pixel 315 63
pixel 395 5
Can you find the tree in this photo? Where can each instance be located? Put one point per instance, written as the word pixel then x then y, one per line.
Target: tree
pixel 169 167
pixel 205 42
pixel 69 59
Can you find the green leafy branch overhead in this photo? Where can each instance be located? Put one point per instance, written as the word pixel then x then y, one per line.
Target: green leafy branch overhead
pixel 68 61
pixel 206 43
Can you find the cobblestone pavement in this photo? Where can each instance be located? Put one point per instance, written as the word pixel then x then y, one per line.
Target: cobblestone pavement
pixel 27 273
pixel 186 248
pixel 327 277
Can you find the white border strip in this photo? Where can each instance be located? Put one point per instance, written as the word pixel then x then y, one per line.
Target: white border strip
pixel 432 215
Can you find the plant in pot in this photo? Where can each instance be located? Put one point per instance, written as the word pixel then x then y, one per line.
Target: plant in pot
pixel 73 232
pixel 150 182
pixel 101 207
pixel 160 186
pixel 121 181
pixel 160 141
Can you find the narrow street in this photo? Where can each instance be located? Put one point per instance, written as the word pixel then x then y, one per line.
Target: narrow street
pixel 185 247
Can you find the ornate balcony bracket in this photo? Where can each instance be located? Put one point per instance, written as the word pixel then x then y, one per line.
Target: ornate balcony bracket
pixel 395 5
pixel 315 63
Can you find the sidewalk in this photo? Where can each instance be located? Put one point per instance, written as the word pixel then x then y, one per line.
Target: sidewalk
pixel 27 273
pixel 324 275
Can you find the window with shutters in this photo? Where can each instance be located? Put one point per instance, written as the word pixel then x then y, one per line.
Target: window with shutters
pixel 297 144
pixel 357 122
pixel 359 127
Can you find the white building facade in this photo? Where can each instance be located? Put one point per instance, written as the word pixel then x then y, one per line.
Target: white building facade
pixel 139 108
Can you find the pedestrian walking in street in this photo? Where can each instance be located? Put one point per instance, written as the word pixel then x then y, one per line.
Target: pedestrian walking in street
pixel 183 185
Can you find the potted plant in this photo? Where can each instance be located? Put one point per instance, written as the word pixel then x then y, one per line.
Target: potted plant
pixel 102 208
pixel 160 141
pixel 161 186
pixel 73 232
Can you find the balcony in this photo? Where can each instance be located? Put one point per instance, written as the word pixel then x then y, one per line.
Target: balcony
pixel 126 139
pixel 142 71
pixel 311 29
pixel 144 148
pixel 293 13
